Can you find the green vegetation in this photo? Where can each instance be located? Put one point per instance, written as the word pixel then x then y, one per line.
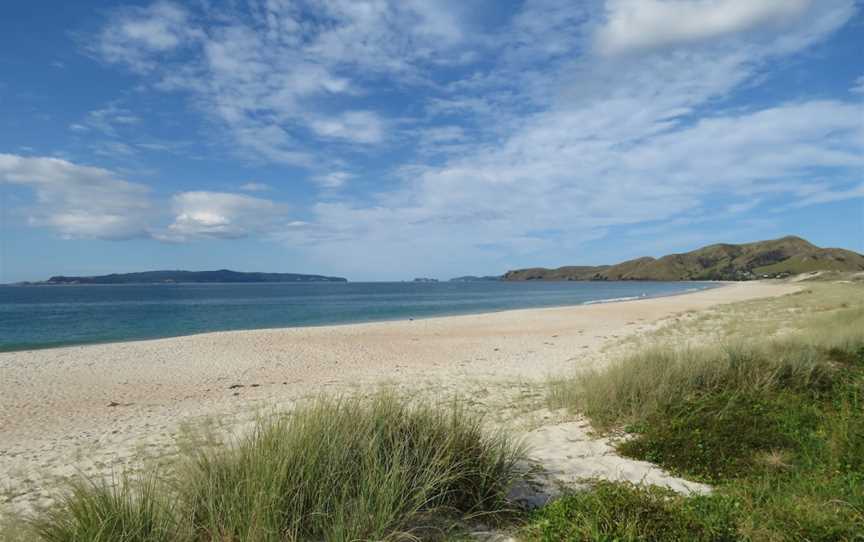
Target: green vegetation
pixel 776 422
pixel 777 257
pixel 331 470
pixel 621 511
pixel 127 511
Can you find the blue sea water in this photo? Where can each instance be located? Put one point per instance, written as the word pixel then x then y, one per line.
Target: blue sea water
pixel 48 316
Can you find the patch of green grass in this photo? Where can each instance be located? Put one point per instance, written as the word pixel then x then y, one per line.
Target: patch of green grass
pixel 624 512
pixel 718 436
pixel 332 470
pixel 776 423
pixel 800 505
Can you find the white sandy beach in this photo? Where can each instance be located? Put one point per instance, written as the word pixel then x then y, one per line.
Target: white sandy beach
pixel 92 408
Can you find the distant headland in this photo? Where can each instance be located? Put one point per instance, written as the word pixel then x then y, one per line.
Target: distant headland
pixel 776 258
pixel 170 277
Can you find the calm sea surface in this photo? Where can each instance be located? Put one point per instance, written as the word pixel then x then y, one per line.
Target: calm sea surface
pixel 45 316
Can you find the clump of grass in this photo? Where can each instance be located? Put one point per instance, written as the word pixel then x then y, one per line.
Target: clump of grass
pixel 646 383
pixel 333 470
pixel 342 470
pixel 120 511
pixel 625 512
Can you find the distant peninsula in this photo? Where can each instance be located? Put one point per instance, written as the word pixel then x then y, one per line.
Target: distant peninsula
pixel 776 258
pixel 169 277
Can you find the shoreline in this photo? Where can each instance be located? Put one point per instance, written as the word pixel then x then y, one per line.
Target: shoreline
pixel 89 409
pixel 711 285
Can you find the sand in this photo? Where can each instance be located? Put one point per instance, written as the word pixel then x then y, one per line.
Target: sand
pixel 97 408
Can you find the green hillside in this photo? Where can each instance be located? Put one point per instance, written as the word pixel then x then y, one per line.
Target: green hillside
pixel 763 259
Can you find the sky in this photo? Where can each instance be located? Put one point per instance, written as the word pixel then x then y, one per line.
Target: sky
pixel 384 140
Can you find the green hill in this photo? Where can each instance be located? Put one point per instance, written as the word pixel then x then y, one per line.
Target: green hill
pixel 763 259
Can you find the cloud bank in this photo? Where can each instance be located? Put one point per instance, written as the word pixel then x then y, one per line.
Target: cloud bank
pixel 85 202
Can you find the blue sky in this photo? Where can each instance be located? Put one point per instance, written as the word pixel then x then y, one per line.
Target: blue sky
pixel 382 140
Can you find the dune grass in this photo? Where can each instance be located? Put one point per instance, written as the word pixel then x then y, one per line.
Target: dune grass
pixel 122 510
pixel 333 470
pixel 775 422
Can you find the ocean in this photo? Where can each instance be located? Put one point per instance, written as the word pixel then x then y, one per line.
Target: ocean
pixel 49 316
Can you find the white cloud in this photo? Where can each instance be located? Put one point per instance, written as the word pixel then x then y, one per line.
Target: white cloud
pixel 646 24
pixel 443 134
pixel 106 120
pixel 385 35
pixel 826 194
pixel 79 201
pixel 136 34
pixel 332 180
pixel 355 126
pixel 221 215
pixel 113 149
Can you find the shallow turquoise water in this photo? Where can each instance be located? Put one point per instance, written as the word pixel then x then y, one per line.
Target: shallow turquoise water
pixel 45 316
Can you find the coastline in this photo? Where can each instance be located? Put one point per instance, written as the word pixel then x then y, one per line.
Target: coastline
pixel 91 408
pixel 16 348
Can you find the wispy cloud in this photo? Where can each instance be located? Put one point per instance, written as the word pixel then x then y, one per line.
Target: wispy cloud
pixel 824 193
pixel 106 120
pixel 354 126
pixel 332 180
pixel 137 35
pixel 266 72
pixel 79 201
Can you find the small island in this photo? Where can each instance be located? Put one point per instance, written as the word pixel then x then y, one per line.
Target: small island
pixel 176 277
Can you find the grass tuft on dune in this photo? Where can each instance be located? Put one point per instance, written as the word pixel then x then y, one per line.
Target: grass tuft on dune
pixel 334 470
